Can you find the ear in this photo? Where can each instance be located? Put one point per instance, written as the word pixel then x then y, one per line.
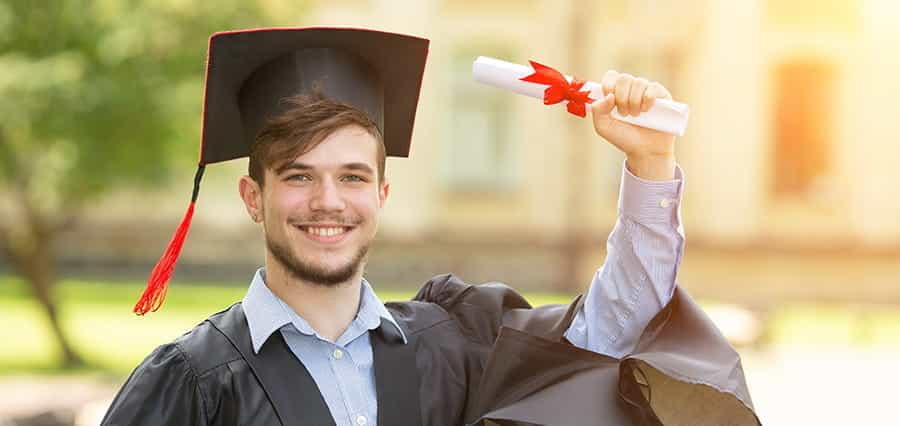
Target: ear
pixel 251 194
pixel 383 191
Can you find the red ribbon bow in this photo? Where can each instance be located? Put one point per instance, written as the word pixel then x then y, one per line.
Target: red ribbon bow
pixel 560 89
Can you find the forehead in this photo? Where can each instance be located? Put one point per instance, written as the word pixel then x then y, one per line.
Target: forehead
pixel 349 144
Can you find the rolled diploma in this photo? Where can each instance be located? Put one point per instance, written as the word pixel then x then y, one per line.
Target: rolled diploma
pixel 665 115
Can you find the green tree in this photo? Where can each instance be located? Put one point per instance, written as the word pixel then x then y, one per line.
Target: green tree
pixel 94 95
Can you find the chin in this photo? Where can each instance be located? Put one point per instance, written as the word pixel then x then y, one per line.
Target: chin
pixel 322 268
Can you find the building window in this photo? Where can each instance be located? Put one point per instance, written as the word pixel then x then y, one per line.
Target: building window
pixel 803 96
pixel 478 151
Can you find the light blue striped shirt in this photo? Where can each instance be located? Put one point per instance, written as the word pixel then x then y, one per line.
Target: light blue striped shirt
pixel 637 279
pixel 343 370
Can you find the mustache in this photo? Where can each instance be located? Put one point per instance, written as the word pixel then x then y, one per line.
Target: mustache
pixel 328 218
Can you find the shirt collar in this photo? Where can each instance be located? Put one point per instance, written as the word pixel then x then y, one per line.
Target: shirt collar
pixel 372 310
pixel 266 313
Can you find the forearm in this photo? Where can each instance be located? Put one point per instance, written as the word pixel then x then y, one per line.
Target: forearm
pixel 654 167
pixel 637 279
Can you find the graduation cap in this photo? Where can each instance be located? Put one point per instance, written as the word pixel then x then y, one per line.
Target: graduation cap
pixel 249 73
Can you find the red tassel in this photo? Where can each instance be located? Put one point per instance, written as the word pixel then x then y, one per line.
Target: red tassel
pixel 155 293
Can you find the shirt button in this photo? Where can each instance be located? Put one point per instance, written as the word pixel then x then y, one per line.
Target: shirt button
pixel 338 354
pixel 665 202
pixel 361 420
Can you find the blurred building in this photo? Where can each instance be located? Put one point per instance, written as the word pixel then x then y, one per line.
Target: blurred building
pixel 791 141
pixel 792 144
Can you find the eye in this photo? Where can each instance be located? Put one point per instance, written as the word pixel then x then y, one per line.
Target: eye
pixel 353 178
pixel 299 178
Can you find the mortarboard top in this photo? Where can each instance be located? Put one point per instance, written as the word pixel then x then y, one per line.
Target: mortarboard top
pixel 249 72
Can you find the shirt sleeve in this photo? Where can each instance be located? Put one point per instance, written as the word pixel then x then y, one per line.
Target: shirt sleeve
pixel 162 390
pixel 637 279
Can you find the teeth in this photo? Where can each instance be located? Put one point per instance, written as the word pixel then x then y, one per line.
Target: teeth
pixel 325 232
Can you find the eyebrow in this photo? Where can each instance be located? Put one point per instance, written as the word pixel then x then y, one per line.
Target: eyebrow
pixel 361 167
pixel 297 166
pixel 292 166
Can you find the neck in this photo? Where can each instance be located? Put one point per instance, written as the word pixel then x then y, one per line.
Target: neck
pixel 329 309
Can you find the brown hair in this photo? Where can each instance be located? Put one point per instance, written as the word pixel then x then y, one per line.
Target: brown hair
pixel 306 122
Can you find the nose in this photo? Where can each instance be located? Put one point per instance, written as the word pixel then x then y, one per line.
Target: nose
pixel 327 197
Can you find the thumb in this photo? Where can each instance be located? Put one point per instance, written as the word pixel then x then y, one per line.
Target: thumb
pixel 603 106
pixel 600 113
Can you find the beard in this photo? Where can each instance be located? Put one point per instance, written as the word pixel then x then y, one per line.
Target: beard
pixel 314 273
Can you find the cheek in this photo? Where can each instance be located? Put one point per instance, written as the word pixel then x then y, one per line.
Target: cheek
pixel 284 203
pixel 367 205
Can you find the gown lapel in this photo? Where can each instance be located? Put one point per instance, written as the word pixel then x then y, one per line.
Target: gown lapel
pixel 287 383
pixel 396 377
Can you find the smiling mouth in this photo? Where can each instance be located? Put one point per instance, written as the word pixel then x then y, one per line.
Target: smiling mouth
pixel 325 233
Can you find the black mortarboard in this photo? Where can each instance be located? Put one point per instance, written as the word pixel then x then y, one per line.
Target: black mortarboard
pixel 249 72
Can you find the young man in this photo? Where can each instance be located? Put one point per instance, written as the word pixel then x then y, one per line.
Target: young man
pixel 317 110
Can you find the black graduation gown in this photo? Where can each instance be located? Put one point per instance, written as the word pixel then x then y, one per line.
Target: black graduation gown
pixel 475 355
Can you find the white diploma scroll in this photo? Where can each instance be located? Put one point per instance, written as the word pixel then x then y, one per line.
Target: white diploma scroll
pixel 665 115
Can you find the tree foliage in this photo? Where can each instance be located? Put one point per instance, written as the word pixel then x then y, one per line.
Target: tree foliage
pixel 98 94
pixel 95 95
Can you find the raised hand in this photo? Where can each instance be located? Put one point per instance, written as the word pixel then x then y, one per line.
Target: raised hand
pixel 650 153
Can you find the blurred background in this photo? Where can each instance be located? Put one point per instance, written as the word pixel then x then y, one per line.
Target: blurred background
pixel 791 207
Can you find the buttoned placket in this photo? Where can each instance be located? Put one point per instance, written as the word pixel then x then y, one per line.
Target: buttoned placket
pixel 341 361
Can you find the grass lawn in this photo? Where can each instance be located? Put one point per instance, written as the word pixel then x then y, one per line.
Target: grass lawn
pixel 98 318
pixel 99 321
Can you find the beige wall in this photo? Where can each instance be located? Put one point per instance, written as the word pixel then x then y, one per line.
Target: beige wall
pixel 719 57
